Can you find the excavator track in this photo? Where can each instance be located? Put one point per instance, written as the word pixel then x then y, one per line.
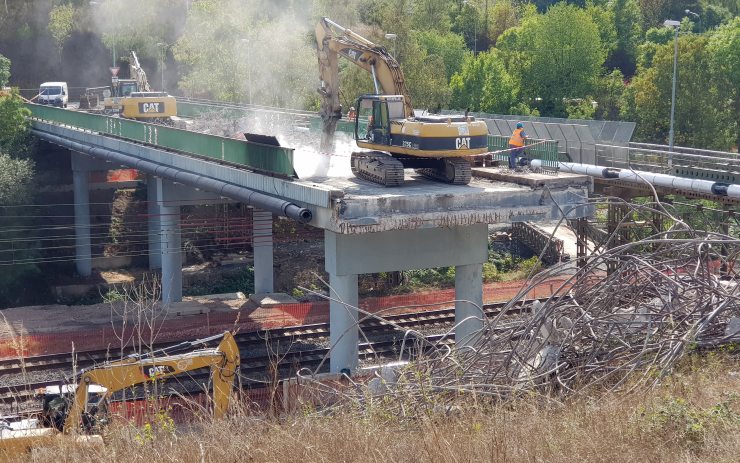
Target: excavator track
pixel 377 167
pixel 456 171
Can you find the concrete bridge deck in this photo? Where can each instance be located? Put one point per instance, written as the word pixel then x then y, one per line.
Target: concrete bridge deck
pixel 367 228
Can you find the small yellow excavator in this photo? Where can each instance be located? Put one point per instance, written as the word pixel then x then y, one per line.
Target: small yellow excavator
pixel 84 408
pixel 134 99
pixel 433 145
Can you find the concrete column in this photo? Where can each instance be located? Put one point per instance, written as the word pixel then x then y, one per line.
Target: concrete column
pixel 344 335
pixel 171 248
pixel 154 194
pixel 468 304
pixel 83 250
pixel 262 247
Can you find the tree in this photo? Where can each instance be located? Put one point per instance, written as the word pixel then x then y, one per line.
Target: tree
pixel 558 56
pixel 449 47
pixel 608 96
pixel 724 52
pixel 503 16
pixel 14 127
pixel 628 24
pixel 4 71
pixel 702 118
pixel 484 85
pixel 61 24
pixel 431 15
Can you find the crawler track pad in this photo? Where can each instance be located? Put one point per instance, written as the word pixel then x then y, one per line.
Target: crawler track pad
pixel 377 167
pixel 456 171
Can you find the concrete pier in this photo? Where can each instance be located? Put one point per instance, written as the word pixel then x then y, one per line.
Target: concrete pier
pixel 154 194
pixel 83 249
pixel 171 246
pixel 262 248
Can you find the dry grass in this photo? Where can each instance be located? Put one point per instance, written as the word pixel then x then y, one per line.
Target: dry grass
pixel 692 416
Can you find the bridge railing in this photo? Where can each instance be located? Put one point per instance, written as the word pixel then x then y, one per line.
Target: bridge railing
pixel 717 166
pixel 544 150
pixel 264 158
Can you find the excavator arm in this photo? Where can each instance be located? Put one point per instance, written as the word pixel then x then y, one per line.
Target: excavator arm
pixel 223 362
pixel 387 75
pixel 137 73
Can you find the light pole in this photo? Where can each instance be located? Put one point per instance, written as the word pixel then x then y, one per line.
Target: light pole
pixel 392 37
pixel 249 68
pixel 675 25
pixel 163 50
pixel 696 15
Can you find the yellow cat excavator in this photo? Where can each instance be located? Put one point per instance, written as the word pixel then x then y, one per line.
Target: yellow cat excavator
pixel 433 145
pixel 84 408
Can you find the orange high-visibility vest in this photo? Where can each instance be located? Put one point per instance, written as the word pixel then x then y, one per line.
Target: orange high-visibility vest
pixel 516 138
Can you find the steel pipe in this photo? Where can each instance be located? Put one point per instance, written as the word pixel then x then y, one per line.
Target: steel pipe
pixel 228 190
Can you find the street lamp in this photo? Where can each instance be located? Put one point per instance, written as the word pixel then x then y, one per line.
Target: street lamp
pixel 392 37
pixel 675 25
pixel 696 15
pixel 249 68
pixel 163 50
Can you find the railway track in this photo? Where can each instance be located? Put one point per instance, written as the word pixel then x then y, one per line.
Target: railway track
pixel 248 343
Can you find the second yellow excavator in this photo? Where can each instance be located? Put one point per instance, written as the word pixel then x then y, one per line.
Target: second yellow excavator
pixel 84 407
pixel 435 146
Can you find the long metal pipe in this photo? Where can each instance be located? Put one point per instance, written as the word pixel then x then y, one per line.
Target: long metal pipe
pixel 661 180
pixel 228 190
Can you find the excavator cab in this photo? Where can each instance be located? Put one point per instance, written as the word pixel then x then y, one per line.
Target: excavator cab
pixel 380 111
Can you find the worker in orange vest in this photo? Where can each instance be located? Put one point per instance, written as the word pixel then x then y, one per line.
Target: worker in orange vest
pixel 516 144
pixel 352 113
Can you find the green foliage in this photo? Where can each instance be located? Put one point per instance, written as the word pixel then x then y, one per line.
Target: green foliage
pixel 608 96
pixel 431 15
pixel 242 280
pixel 449 47
pixel 703 118
pixel 4 71
pixel 14 127
pixel 628 26
pixel 484 85
pixel 686 424
pixel 490 273
pixel 503 16
pixel 558 55
pixel 16 180
pixel 724 52
pixel 61 24
pixel 580 108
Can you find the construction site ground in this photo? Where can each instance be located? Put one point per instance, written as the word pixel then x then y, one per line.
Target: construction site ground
pixel 39 330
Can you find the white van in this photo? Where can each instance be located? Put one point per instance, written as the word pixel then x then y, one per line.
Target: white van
pixel 54 93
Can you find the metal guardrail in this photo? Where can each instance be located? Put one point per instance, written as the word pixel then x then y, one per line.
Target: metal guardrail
pixel 537 240
pixel 718 166
pixel 256 156
pixel 544 150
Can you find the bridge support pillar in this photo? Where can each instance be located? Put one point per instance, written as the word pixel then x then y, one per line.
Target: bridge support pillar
pixel 171 248
pixel 154 194
pixel 344 335
pixel 469 315
pixel 349 255
pixel 83 248
pixel 262 249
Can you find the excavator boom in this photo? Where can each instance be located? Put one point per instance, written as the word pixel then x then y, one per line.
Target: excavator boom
pixel 115 376
pixel 435 146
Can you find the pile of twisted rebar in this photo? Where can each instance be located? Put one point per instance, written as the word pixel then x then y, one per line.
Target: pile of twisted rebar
pixel 624 318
